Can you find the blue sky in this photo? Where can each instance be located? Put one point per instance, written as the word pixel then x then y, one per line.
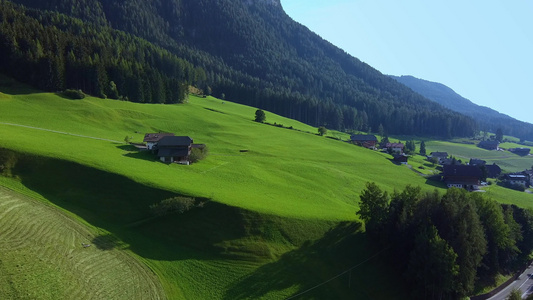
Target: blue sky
pixel 483 50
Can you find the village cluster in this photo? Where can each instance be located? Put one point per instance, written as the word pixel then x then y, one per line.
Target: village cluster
pixel 471 176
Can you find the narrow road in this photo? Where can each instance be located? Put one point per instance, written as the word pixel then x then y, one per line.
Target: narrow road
pixel 61 132
pixel 524 284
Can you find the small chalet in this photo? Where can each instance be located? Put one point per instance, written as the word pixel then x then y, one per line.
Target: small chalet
pixel 462 176
pixel 441 156
pixel 364 140
pixel 518 179
pixel 174 149
pixel 489 145
pixel 151 139
pixel 395 147
pixel 520 151
pixel 402 159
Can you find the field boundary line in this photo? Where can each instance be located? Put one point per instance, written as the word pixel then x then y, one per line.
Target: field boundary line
pixel 61 132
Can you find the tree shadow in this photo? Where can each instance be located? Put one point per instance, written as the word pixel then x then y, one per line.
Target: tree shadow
pixel 107 242
pixel 12 87
pixel 436 182
pixel 314 263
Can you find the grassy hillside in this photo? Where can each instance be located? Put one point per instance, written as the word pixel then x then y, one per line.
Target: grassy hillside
pixel 212 252
pixel 42 257
pixel 281 233
pixel 285 172
pixel 278 219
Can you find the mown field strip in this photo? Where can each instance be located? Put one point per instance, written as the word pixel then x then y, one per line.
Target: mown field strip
pixel 42 257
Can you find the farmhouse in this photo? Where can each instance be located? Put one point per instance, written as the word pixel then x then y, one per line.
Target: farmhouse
pixel 395 147
pixel 441 156
pixel 477 162
pixel 489 145
pixel 461 176
pixel 364 140
pixel 174 149
pixel 151 139
pixel 520 151
pixel 402 159
pixel 517 179
pixel 493 171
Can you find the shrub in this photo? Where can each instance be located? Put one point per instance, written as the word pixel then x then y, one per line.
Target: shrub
pixel 74 94
pixel 322 130
pixel 178 205
pixel 198 154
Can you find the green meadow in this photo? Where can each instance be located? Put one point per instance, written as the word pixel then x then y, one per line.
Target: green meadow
pixel 278 205
pixel 42 257
pixel 284 172
pixel 508 161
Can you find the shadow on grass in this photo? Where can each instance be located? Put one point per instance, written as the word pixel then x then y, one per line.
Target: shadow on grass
pixel 313 264
pixel 436 182
pixel 213 232
pixel 114 202
pixel 136 153
pixel 12 87
pixel 106 242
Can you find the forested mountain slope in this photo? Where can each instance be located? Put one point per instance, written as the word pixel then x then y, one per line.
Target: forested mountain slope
pixel 249 51
pixel 488 119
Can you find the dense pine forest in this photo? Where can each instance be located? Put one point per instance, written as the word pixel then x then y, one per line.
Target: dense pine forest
pixel 446 244
pixel 245 51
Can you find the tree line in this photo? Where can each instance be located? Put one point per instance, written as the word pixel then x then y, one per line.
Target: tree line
pixel 446 244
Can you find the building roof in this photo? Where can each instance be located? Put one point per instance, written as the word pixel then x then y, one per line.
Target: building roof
pixel 520 151
pixel 476 161
pixel 174 141
pixel 439 154
pixel 363 137
pixel 155 137
pixel 493 170
pixel 173 152
pixel 462 171
pixel 489 144
pixel 401 158
pixel 517 176
pixel 394 145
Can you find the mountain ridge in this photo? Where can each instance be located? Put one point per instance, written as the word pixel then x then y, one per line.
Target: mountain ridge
pixel 488 118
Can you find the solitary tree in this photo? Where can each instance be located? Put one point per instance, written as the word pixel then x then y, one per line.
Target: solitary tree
pixel 260 116
pixel 499 135
pixel 381 130
pixel 322 130
pixel 422 148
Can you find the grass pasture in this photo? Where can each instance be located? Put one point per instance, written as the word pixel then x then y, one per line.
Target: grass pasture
pixel 279 217
pixel 42 257
pixel 508 161
pixel 214 252
pixel 284 172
